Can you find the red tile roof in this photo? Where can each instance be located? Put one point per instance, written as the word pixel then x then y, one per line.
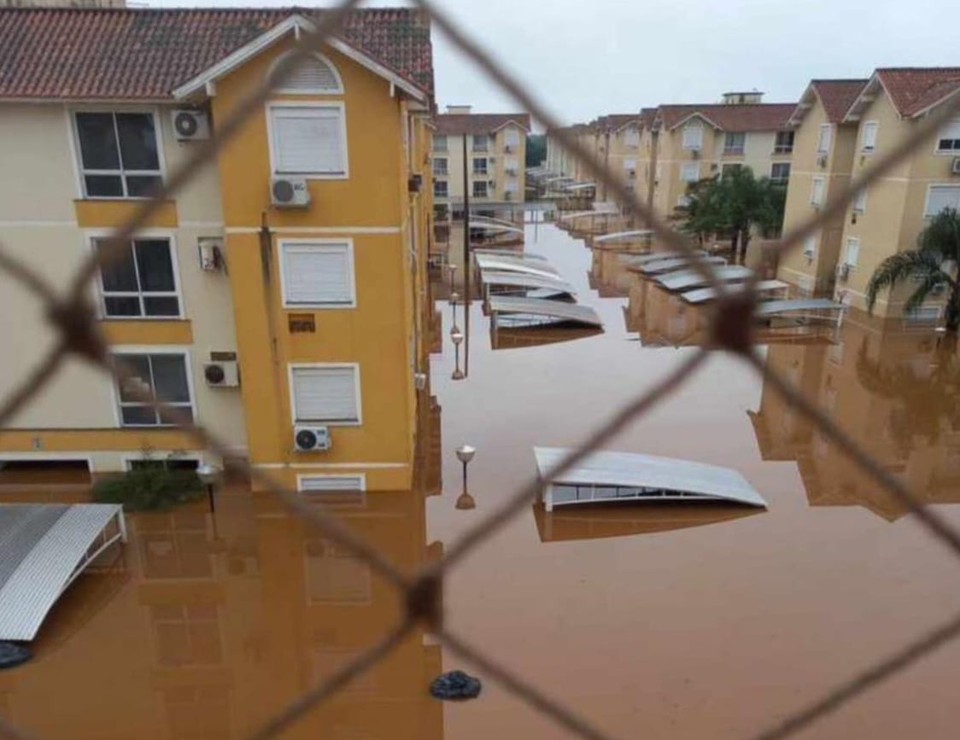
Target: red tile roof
pixel 453 124
pixel 914 89
pixel 837 96
pixel 737 118
pixel 146 53
pixel 617 121
pixel 647 117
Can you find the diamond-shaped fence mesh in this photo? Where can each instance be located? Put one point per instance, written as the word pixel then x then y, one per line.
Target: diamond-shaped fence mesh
pixel 732 317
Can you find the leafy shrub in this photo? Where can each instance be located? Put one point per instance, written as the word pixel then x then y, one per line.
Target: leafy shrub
pixel 149 488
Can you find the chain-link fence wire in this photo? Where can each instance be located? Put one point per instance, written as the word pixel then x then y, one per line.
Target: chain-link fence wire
pixel 78 335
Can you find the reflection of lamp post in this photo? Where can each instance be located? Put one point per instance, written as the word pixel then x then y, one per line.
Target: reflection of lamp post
pixel 208 475
pixel 456 336
pixel 465 454
pixel 452 271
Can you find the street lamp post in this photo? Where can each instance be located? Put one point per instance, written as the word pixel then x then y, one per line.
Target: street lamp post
pixel 456 336
pixel 208 475
pixel 465 454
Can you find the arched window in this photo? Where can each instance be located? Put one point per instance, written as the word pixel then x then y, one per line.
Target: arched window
pixel 314 75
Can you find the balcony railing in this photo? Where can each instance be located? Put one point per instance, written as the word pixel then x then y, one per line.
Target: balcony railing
pixel 783 149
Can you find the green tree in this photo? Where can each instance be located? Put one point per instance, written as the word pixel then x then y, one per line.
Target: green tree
pixel 536 150
pixel 734 204
pixel 932 266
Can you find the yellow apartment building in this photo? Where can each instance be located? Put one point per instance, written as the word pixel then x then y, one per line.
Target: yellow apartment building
pixel 693 142
pixel 889 216
pixel 822 160
pixel 496 151
pixel 275 298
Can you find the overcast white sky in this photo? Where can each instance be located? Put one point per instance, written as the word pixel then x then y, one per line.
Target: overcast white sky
pixel 586 58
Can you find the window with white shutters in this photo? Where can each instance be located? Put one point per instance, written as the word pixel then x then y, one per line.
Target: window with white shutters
pixel 314 75
pixel 826 138
pixel 860 202
pixel 870 130
pixel 318 275
pixel 853 251
pixel 941 197
pixel 817 191
pixel 326 394
pixel 690 172
pixel 512 137
pixel 949 138
pixel 693 135
pixel 309 140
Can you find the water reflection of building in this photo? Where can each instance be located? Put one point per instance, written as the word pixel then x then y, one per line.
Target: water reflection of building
pixel 217 628
pixel 895 391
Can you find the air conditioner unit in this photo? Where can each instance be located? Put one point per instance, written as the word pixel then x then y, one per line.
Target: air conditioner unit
pixel 955 166
pixel 695 153
pixel 508 148
pixel 843 272
pixel 223 374
pixel 311 438
pixel 290 192
pixel 822 161
pixel 508 195
pixel 190 125
pixel 632 174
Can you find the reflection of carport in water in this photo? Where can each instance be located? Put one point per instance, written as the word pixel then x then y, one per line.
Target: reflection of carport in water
pixel 43 549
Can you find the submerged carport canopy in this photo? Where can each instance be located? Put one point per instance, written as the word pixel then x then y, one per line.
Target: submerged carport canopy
pixel 625 476
pixel 685 279
pixel 43 548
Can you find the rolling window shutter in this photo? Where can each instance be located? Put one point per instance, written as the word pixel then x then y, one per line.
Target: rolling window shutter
pixel 629 164
pixel 325 394
pixel 951 130
pixel 943 197
pixel 308 141
pixel 317 274
pixel 870 135
pixel 826 136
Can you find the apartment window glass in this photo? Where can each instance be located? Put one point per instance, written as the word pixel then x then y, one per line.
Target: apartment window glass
pixel 309 140
pixel 690 172
pixel 440 143
pixel 784 142
pixel 481 143
pixel 780 172
pixel 734 142
pixel 949 138
pixel 440 166
pixel 826 138
pixel 118 154
pixel 326 394
pixel 941 197
pixel 140 281
pixel 441 189
pixel 693 135
pixel 817 191
pixel 319 275
pixel 860 202
pixel 512 137
pixel 853 251
pixel 870 129
pixel 158 377
pixel 480 189
pixel 480 166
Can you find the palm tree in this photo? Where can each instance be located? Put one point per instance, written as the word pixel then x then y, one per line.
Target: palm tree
pixel 932 266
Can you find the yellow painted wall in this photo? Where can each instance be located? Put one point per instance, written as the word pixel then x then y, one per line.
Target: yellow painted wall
pixel 378 333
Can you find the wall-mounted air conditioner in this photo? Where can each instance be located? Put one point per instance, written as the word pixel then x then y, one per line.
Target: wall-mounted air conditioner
pixel 822 161
pixel 311 438
pixel 190 125
pixel 222 374
pixel 290 192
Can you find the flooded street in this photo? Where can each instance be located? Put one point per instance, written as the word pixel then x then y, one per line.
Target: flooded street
pixel 652 621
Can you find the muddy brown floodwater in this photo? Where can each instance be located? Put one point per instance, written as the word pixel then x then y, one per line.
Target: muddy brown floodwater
pixel 659 622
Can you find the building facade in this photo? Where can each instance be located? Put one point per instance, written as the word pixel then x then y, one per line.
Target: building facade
pixel 889 216
pixel 276 291
pixel 496 150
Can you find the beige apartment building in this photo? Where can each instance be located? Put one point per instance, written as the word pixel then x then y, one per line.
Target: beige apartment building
pixel 822 163
pixel 496 150
pixel 889 216
pixel 689 143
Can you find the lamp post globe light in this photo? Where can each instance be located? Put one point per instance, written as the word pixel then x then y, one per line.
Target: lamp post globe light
pixel 208 475
pixel 465 454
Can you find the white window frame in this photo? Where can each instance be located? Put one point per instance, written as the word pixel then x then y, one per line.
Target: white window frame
pixel 446 186
pixel 473 189
pixel 734 151
pixel 446 166
pixel 508 134
pixel 683 171
pixel 162 456
pixel 789 167
pixel 153 349
pixel 122 173
pixel 936 144
pixel 853 241
pixel 93 235
pixel 437 138
pixel 822 182
pixel 631 138
pixel 811 245
pixel 691 126
pixel 320 245
pixel 291 367
pixel 311 91
pixel 338 104
pixel 873 126
pixel 930 189
pixel 486 166
pixel 859 204
pixel 825 128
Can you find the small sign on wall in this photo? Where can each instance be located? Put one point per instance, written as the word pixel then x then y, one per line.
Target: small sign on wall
pixel 302 323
